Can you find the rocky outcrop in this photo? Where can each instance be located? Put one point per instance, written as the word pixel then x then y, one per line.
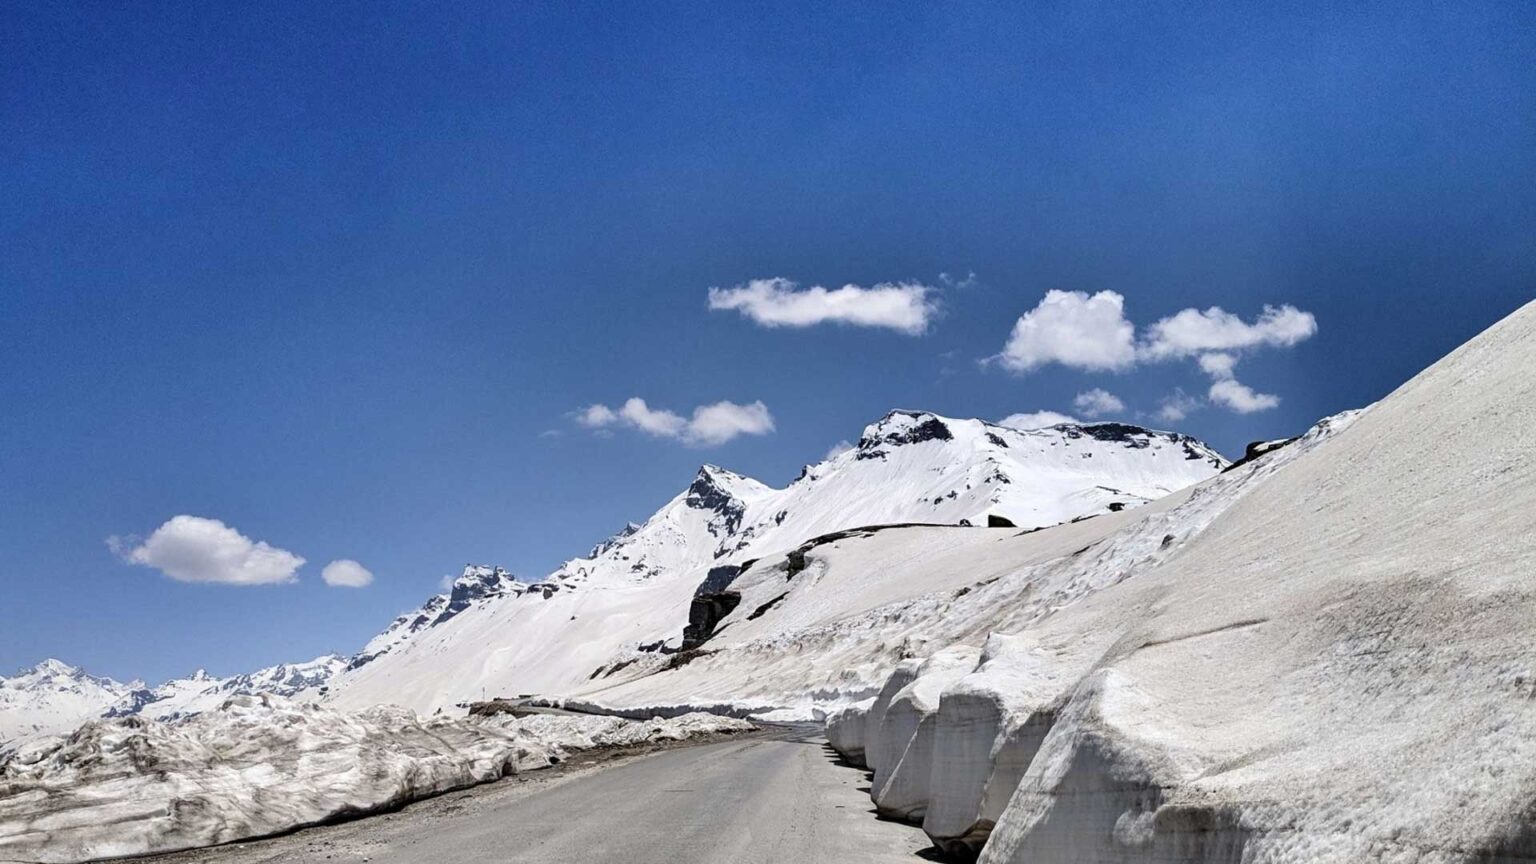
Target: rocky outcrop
pixel 712 601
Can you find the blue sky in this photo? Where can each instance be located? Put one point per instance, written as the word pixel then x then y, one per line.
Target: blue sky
pixel 342 275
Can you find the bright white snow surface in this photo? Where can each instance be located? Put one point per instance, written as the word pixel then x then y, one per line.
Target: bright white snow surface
pixel 259 765
pixel 616 609
pixel 1340 666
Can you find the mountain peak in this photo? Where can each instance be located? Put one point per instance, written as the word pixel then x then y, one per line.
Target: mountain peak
pixel 714 488
pixel 902 427
pixel 478 582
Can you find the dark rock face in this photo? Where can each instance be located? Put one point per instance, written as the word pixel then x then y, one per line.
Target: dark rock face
pixel 477 583
pixel 996 521
pixel 706 493
pixel 711 603
pixel 929 428
pixel 1259 448
pixel 1125 433
pixel 763 609
pixel 132 704
pixel 1138 438
pixel 718 579
pixel 704 614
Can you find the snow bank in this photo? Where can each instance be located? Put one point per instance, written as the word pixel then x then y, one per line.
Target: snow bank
pixel 1329 659
pixel 261 765
pixel 845 730
pixel 988 729
pixel 907 729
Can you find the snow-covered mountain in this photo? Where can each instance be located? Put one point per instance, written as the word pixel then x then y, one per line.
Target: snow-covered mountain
pixel 52 698
pixel 477 583
pixel 187 697
pixel 628 601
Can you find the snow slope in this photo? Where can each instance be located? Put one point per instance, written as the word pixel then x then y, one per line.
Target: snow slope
pixel 826 625
pixel 626 605
pixel 1338 667
pixel 54 697
pixel 259 765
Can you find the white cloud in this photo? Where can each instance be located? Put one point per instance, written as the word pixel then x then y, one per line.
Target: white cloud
pixel 346 573
pixel 837 450
pixel 1218 365
pixel 1093 334
pixel 1035 420
pixel 1098 402
pixel 722 421
pixel 1073 329
pixel 1176 406
pixel 661 423
pixel 1240 397
pixel 906 307
pixel 197 549
pixel 1192 331
pixel 710 424
pixel 596 416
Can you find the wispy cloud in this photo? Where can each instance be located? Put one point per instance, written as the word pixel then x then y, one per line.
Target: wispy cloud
pixel 1176 406
pixel 198 549
pixel 1098 402
pixel 837 450
pixel 906 307
pixel 709 425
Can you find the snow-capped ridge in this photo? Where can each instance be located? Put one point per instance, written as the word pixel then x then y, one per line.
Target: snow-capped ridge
pixel 909 467
pixel 53 697
pixel 478 582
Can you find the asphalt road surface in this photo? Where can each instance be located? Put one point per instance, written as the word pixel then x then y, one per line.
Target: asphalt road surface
pixel 760 800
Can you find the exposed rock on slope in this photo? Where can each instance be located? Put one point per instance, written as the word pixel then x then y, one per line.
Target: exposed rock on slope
pixel 631 600
pixel 1337 668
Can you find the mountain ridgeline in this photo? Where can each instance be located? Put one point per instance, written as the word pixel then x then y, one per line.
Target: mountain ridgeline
pixel 628 603
pixel 634 595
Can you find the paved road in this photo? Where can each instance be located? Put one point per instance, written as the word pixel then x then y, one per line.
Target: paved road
pixel 762 800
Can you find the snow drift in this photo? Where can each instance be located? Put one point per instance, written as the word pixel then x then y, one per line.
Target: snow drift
pixel 1337 667
pixel 260 765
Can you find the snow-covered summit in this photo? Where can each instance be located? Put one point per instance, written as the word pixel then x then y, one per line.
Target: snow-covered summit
pixel 477 583
pixel 53 697
pixel 632 592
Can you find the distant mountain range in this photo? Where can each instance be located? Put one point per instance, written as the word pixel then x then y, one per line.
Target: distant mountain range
pixel 491 634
